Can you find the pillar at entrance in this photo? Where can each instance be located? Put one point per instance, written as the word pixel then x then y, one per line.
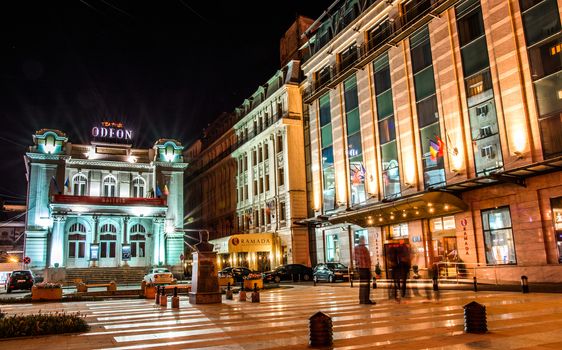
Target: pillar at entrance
pixel 204 281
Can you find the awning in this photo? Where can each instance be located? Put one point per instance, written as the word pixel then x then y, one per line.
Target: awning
pixel 414 207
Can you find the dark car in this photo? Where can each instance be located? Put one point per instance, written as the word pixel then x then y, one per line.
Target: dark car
pixel 238 273
pixel 21 279
pixel 288 272
pixel 331 272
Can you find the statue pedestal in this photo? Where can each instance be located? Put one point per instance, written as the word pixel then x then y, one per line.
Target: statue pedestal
pixel 204 281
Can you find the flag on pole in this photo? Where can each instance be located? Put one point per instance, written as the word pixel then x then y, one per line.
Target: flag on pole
pixel 67 184
pixel 165 191
pixel 441 145
pixel 433 150
pixel 54 181
pixel 158 192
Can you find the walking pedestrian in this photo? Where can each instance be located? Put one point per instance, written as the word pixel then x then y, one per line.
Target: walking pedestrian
pixel 404 265
pixel 363 265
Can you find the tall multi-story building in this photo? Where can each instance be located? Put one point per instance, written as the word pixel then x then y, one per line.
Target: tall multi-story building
pixel 103 204
pixel 438 123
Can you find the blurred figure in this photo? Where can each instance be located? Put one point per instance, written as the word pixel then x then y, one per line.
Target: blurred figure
pixel 404 265
pixel 363 265
pixel 392 261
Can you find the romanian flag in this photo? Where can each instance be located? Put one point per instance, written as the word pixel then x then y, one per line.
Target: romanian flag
pixel 165 191
pixel 434 150
pixel 67 184
pixel 158 192
pixel 441 145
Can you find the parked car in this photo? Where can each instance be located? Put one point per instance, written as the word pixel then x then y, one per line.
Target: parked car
pixel 159 275
pixel 20 279
pixel 331 272
pixel 238 273
pixel 288 272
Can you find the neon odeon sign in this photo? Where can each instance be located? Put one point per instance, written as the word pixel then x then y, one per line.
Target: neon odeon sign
pixel 112 130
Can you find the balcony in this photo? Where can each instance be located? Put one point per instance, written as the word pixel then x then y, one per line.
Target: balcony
pixel 390 34
pixel 107 201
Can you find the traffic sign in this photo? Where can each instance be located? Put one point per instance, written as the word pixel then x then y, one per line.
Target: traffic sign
pixel 27 260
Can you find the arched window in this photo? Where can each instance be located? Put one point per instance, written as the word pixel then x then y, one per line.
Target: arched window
pixel 77 241
pixel 138 241
pixel 109 186
pixel 80 181
pixel 108 241
pixel 138 187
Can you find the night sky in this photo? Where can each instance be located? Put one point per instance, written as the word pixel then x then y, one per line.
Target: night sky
pixel 164 68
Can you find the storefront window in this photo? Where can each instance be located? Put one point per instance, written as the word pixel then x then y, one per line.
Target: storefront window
pixel 360 233
pixel 399 231
pixel 498 236
pixel 444 239
pixel 328 175
pixel 332 248
pixel 556 204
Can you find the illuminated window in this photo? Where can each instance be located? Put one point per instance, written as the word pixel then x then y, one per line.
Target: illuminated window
pixel 80 181
pixel 138 187
pixel 109 186
pixel 498 236
pixel 138 241
pixel 108 241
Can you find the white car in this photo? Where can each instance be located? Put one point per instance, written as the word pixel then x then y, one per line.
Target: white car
pixel 159 275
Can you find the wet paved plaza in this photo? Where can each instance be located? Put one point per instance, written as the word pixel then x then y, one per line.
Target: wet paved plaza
pixel 280 321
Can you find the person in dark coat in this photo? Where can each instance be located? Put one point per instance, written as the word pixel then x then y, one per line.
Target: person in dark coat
pixel 404 260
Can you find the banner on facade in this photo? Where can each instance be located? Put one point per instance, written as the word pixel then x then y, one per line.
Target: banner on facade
pixel 94 252
pixel 126 252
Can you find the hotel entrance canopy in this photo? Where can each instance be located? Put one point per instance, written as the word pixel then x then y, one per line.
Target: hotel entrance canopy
pixel 418 206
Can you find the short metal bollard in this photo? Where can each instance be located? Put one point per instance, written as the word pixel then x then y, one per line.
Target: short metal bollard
pixel 255 294
pixel 157 296
pixel 175 299
pixel 163 298
pixel 320 330
pixel 524 284
pixel 475 283
pixel 475 318
pixel 229 294
pixel 435 283
pixel 242 295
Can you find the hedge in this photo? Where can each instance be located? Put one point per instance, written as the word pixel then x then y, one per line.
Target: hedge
pixel 41 324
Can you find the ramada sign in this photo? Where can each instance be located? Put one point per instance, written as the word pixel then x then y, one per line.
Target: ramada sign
pixel 112 130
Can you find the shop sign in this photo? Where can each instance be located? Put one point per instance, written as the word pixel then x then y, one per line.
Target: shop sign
pixel 94 252
pixel 253 242
pixel 126 252
pixel 464 223
pixel 112 131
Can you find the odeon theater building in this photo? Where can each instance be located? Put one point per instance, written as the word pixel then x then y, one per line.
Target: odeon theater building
pixel 103 204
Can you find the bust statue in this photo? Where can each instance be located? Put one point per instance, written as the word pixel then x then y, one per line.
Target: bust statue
pixel 204 245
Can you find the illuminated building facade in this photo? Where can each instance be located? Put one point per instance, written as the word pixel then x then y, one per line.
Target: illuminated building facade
pixel 103 204
pixel 438 124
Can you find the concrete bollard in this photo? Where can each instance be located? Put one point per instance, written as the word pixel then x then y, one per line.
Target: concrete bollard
pixel 163 298
pixel 475 318
pixel 175 299
pixel 229 295
pixel 320 330
pixel 524 284
pixel 475 283
pixel 157 296
pixel 255 294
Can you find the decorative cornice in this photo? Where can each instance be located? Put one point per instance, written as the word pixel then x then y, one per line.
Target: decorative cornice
pixel 170 165
pixel 108 163
pixel 46 156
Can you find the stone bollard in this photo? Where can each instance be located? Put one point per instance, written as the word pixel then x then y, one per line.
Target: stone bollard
pixel 320 330
pixel 435 283
pixel 524 284
pixel 175 299
pixel 157 296
pixel 112 286
pixel 163 298
pixel 475 318
pixel 475 282
pixel 242 295
pixel 229 295
pixel 255 294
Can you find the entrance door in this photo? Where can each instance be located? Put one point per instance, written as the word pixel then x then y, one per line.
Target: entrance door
pixel 264 264
pixel 138 245
pixel 77 246
pixel 108 246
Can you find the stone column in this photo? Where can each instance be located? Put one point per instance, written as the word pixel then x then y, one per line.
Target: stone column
pixel 124 240
pixel 96 219
pixel 57 240
pixel 158 250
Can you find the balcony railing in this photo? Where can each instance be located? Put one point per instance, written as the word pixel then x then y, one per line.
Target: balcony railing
pixel 397 29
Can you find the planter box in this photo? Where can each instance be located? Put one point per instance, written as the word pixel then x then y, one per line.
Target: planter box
pixel 46 293
pixel 249 284
pixel 150 292
pixel 223 281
